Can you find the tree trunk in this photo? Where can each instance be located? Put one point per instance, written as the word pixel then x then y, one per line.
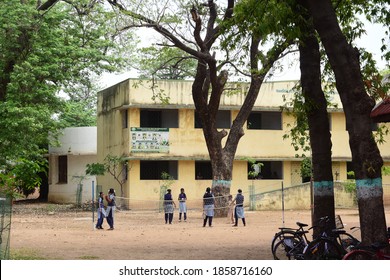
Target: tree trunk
pixel 320 138
pixel 209 81
pixel 207 89
pixel 366 159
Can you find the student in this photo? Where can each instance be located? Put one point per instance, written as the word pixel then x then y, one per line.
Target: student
pixel 101 212
pixel 182 204
pixel 110 198
pixel 208 207
pixel 169 206
pixel 239 209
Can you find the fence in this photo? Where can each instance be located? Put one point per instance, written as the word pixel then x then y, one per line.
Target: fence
pixel 5 227
pixel 299 197
pixel 270 197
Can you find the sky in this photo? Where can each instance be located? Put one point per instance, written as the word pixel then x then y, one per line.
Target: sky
pixel 370 41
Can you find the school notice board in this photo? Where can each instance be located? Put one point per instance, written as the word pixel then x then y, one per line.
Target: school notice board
pixel 149 140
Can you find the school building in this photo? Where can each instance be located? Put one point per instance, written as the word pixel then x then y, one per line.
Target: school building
pixel 157 130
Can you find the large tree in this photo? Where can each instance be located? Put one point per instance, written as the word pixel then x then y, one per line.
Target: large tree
pixel 357 105
pixel 213 30
pixel 317 116
pixel 45 49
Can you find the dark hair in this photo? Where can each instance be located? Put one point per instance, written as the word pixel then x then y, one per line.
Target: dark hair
pixel 111 191
pixel 239 190
pixel 169 190
pixel 208 189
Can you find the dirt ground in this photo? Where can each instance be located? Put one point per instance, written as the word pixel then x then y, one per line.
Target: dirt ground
pixel 58 234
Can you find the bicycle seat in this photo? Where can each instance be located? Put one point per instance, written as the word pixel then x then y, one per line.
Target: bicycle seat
pixel 301 224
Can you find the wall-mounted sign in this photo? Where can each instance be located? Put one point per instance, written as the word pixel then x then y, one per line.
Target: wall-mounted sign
pixel 149 140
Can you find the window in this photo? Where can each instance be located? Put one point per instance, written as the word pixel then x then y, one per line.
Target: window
pixel 124 118
pixel 63 169
pixel 167 118
pixel 268 170
pixel 265 120
pixel 203 170
pixel 153 169
pixel 223 120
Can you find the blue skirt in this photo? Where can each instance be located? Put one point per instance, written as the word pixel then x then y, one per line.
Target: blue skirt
pixel 209 210
pixel 240 212
pixel 182 207
pixel 168 208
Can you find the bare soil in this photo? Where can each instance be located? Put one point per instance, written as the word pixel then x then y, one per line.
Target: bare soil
pixel 59 232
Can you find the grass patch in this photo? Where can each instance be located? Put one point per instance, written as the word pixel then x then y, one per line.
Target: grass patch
pixel 25 254
pixel 88 258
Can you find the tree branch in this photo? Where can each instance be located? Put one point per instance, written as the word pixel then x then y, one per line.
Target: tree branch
pixel 47 5
pixel 163 31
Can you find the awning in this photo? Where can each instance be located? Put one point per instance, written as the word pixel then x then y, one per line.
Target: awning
pixel 381 111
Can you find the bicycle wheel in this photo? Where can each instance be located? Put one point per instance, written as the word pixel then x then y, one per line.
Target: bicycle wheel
pixel 280 236
pixel 323 249
pixel 359 255
pixel 287 248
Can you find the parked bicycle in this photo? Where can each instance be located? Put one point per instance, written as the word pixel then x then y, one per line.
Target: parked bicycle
pixel 330 244
pixel 290 243
pixel 373 252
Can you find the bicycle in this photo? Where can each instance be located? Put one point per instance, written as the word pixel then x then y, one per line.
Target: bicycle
pixel 291 243
pixel 372 252
pixel 330 245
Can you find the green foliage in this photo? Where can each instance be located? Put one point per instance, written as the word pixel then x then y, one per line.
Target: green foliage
pixel 26 173
pixel 95 169
pixel 167 179
pixel 43 53
pixel 158 94
pixel 21 177
pixel 385 170
pixel 381 133
pixel 116 166
pixel 88 257
pixel 350 184
pixel 77 114
pixel 255 168
pixel 306 168
pixel 25 254
pixel 8 186
pixel 165 63
pixel 299 107
pixel 24 129
pixel 298 132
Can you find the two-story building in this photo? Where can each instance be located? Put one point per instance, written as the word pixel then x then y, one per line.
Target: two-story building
pixel 157 136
